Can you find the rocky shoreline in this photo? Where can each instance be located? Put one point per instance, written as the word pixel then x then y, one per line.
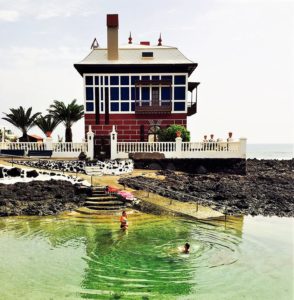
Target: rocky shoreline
pixel 267 189
pixel 40 198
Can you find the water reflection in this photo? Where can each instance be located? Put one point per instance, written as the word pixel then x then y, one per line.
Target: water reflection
pixel 94 259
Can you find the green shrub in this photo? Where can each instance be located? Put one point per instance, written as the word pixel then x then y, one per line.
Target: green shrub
pixel 169 134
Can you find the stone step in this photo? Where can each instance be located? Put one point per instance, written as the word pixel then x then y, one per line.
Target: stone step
pixel 101 198
pixel 108 203
pixel 106 207
pixel 87 212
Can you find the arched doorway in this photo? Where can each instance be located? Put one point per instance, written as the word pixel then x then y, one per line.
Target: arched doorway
pixel 153 133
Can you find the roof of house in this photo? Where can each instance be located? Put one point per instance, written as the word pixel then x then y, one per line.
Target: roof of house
pixel 132 54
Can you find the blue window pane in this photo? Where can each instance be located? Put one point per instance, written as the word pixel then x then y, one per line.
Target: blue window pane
pixel 124 80
pixel 133 106
pixel 124 106
pixel 180 93
pixel 124 94
pixel 145 93
pixel 89 80
pixel 89 106
pixel 179 106
pixel 96 80
pixel 134 79
pixel 114 106
pixel 113 80
pixel 135 93
pixel 101 94
pixel 145 77
pixel 106 80
pixel 155 77
pixel 101 80
pixel 166 77
pixel 101 106
pixel 114 93
pixel 165 93
pixel 180 79
pixel 89 93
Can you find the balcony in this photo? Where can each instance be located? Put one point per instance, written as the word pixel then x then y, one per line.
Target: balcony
pixel 192 103
pixel 153 106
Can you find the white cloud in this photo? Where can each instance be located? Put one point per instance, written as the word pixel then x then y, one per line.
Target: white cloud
pixel 9 15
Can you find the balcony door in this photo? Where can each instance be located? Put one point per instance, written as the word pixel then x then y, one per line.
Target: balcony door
pixel 155 96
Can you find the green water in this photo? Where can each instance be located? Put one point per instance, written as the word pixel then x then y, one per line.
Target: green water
pixel 67 258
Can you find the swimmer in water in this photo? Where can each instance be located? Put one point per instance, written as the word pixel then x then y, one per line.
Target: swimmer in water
pixel 185 249
pixel 124 221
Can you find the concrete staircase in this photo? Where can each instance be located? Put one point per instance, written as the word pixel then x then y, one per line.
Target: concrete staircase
pixel 101 202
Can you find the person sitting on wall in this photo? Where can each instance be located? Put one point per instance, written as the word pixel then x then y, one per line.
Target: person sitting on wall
pixel 229 139
pixel 205 141
pixel 211 140
pixel 124 221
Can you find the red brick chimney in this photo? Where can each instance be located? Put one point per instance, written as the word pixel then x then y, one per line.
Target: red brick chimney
pixel 112 36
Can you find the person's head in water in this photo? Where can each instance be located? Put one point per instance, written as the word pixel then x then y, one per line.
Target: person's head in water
pixel 187 248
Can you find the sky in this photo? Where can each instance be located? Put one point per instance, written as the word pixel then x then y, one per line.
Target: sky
pixel 244 50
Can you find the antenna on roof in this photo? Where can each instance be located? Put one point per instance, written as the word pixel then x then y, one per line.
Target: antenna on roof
pixel 95 44
pixel 159 41
pixel 130 38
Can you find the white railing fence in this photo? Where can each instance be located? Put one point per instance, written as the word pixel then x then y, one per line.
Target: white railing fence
pixel 179 149
pixel 59 150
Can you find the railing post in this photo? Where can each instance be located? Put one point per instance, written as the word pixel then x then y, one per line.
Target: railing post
pixel 243 144
pixel 113 143
pixel 90 141
pixel 178 147
pixel 48 143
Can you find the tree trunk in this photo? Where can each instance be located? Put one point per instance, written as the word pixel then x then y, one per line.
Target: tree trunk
pixel 68 135
pixel 25 137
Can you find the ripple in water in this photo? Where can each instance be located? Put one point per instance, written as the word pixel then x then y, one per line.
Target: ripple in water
pixel 94 259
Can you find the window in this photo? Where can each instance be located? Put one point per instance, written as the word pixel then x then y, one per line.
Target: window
pixel 105 80
pixel 114 93
pixel 101 106
pixel 89 106
pixel 96 80
pixel 179 106
pixel 145 77
pixel 180 93
pixel 135 93
pixel 180 79
pixel 89 93
pixel 147 54
pixel 114 106
pixel 124 106
pixel 155 77
pixel 89 80
pixel 124 92
pixel 113 80
pixel 165 93
pixel 145 93
pixel 133 106
pixel 101 94
pixel 124 80
pixel 134 79
pixel 169 78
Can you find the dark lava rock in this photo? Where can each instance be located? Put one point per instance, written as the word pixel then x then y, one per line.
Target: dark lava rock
pixel 14 172
pixel 40 197
pixel 267 189
pixel 32 173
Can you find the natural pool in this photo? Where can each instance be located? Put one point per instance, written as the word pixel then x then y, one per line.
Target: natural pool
pixel 71 258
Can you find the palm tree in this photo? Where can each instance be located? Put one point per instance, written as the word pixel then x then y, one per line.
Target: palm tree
pixel 22 120
pixel 47 124
pixel 67 115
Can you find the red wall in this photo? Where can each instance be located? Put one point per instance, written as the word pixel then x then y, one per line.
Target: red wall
pixel 128 125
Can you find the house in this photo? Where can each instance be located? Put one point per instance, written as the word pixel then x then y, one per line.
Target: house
pixel 139 88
